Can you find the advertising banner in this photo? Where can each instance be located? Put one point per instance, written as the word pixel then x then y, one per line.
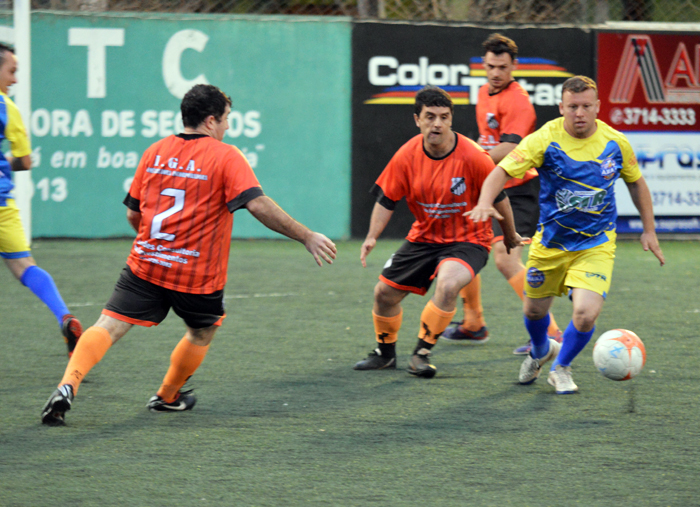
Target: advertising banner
pixel 391 62
pixel 106 87
pixel 649 88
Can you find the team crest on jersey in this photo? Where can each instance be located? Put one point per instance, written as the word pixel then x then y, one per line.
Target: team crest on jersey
pixel 608 168
pixel 491 121
pixel 458 186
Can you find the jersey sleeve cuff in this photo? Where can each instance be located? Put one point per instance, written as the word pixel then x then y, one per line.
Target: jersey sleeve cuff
pixel 132 203
pixel 377 192
pixel 244 198
pixel 510 138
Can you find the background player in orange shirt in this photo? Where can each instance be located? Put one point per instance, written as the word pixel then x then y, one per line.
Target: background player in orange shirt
pixel 440 174
pixel 505 116
pixel 181 204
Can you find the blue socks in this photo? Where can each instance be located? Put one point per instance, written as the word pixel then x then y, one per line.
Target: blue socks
pixel 574 342
pixel 43 286
pixel 538 335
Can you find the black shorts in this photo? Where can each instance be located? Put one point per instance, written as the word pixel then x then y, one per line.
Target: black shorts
pixel 414 266
pixel 525 201
pixel 143 303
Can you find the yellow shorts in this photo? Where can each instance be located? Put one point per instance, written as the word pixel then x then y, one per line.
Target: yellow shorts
pixel 13 241
pixel 551 272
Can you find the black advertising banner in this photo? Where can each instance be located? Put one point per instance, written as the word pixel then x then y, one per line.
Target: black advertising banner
pixel 392 61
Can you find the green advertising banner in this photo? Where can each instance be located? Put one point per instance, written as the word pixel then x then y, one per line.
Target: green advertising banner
pixel 104 87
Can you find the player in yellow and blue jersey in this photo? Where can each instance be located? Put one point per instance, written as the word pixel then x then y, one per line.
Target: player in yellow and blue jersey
pixel 14 248
pixel 579 158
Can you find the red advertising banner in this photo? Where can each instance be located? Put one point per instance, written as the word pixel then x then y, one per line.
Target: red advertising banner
pixel 649 81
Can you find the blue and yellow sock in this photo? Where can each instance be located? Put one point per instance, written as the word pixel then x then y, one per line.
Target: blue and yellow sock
pixel 43 287
pixel 538 335
pixel 574 342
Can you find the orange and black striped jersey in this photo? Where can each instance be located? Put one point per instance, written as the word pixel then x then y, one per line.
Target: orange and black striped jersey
pixel 505 117
pixel 186 188
pixel 438 191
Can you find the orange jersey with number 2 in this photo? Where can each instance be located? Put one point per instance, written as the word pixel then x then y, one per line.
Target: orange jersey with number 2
pixel 186 188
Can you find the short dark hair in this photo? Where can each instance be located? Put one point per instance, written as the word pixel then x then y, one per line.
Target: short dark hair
pixel 499 44
pixel 579 84
pixel 432 96
pixel 201 102
pixel 3 48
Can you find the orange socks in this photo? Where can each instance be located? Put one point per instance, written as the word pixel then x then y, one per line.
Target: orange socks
pixel 184 361
pixel 433 322
pixel 473 311
pixel 386 329
pixel 518 284
pixel 92 346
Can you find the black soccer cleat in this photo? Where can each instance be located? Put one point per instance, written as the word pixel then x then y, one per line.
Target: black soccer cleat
pixel 184 401
pixel 53 413
pixel 376 361
pixel 72 329
pixel 420 366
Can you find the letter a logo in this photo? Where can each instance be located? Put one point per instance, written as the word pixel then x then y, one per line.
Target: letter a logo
pixel 638 61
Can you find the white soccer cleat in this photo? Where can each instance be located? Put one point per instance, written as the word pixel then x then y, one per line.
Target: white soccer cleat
pixel 531 367
pixel 560 378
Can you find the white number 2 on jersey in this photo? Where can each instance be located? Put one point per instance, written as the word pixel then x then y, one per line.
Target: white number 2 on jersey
pixel 179 196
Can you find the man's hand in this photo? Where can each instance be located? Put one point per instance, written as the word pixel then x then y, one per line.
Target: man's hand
pixel 649 241
pixel 483 213
pixel 365 249
pixel 512 242
pixel 322 248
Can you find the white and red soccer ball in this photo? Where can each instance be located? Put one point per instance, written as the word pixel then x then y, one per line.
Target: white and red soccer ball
pixel 619 354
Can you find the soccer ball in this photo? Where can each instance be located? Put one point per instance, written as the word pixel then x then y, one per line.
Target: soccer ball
pixel 619 354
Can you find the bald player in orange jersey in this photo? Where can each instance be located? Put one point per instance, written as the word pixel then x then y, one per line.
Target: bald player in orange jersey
pixel 505 116
pixel 181 205
pixel 440 174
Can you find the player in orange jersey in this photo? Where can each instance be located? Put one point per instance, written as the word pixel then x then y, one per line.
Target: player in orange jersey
pixel 181 204
pixel 440 174
pixel 505 116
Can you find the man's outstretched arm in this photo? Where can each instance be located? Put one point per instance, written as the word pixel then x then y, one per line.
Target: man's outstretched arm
pixel 268 213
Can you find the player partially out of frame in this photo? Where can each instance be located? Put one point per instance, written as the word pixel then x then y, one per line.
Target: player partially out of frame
pixel 504 115
pixel 14 248
pixel 440 174
pixel 579 159
pixel 181 205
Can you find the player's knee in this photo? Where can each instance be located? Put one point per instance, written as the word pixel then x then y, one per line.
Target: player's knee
pixel 535 313
pixel 448 289
pixel 584 319
pixel 383 294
